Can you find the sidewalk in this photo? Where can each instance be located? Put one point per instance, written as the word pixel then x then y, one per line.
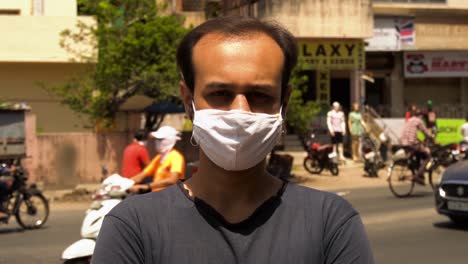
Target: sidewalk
pixel 351 176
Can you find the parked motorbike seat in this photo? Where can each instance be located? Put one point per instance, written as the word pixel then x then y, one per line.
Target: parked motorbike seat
pixel 407 149
pixel 326 148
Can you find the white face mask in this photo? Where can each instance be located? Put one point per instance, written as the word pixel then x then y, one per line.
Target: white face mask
pixel 236 140
pixel 163 146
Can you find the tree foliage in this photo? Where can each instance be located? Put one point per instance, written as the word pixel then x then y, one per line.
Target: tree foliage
pixel 301 112
pixel 136 54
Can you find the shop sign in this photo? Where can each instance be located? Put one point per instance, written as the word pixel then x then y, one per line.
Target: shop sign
pixel 323 86
pixel 386 36
pixel 392 34
pixel 407 32
pixel 435 64
pixel 448 131
pixel 332 55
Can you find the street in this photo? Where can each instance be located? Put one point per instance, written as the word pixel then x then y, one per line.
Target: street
pixel 400 230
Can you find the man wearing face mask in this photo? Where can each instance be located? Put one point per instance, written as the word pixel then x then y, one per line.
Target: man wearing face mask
pixel 167 167
pixel 235 88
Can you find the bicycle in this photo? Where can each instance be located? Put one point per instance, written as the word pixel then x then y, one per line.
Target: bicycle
pixel 406 163
pixel 26 203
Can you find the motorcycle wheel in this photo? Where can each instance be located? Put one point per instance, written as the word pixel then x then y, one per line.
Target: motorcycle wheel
pixel 334 169
pixel 85 260
pixel 312 166
pixel 33 211
pixel 373 170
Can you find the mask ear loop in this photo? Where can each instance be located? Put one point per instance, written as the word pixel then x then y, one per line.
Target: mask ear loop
pixel 193 142
pixel 283 131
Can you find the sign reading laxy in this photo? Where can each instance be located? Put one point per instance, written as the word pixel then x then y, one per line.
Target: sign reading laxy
pixel 332 55
pixel 436 64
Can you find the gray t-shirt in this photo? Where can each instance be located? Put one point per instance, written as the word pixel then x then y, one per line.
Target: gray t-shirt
pixel 298 225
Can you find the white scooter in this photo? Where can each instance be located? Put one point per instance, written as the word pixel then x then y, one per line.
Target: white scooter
pixel 112 191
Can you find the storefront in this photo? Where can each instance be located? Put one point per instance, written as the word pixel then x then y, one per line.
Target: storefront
pixel 333 68
pixel 440 76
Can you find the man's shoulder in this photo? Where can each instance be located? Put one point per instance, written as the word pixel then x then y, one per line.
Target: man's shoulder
pixel 137 207
pixel 134 146
pixel 313 199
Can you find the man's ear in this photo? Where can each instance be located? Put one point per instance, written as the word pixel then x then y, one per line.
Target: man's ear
pixel 187 99
pixel 285 101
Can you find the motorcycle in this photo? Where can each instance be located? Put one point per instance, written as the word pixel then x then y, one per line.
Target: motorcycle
pixel 26 203
pixel 373 161
pixel 111 192
pixel 460 151
pixel 320 157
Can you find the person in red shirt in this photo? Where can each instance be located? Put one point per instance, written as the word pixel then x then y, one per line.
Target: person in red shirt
pixel 135 157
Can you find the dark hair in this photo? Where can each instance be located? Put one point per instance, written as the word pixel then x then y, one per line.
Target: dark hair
pixel 140 135
pixel 417 112
pixel 237 26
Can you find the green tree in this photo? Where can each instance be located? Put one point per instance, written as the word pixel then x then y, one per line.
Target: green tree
pixel 136 54
pixel 301 112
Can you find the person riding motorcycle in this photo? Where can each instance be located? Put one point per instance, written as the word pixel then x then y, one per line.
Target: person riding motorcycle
pixel 430 118
pixel 5 184
pixel 167 167
pixel 410 139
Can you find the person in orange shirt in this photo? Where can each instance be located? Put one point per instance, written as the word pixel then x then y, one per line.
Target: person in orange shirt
pixel 167 167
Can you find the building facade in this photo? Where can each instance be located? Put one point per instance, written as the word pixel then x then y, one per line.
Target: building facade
pixel 387 53
pixel 330 36
pixel 425 56
pixel 31 55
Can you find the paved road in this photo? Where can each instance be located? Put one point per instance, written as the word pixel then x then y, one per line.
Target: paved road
pixel 44 245
pixel 401 231
pixel 409 230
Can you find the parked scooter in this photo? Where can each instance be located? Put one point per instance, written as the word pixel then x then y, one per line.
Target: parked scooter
pixel 112 191
pixel 320 157
pixel 373 161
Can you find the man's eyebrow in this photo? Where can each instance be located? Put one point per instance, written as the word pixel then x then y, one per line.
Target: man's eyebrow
pixel 260 87
pixel 218 85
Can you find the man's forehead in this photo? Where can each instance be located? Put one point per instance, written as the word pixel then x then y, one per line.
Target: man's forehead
pixel 219 38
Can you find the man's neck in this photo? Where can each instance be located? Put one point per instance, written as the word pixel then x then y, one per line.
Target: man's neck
pixel 234 194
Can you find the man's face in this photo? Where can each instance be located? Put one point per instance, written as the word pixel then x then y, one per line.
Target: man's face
pixel 237 73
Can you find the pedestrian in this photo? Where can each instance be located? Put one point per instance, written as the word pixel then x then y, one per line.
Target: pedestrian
pixel 166 168
pixel 337 128
pixel 235 88
pixel 135 156
pixel 356 127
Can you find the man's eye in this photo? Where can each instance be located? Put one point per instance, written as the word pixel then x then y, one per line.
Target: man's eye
pixel 220 94
pixel 256 95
